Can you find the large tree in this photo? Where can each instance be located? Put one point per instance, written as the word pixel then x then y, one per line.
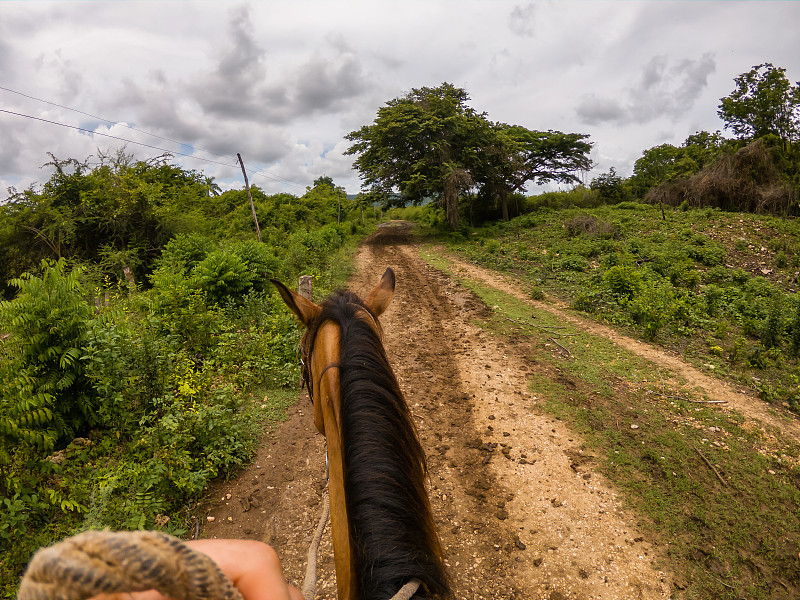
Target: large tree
pixel 419 144
pixel 511 156
pixel 764 102
pixel 431 144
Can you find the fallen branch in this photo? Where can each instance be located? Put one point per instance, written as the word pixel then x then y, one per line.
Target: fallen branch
pixel 707 401
pixel 710 466
pixel 693 401
pixel 563 349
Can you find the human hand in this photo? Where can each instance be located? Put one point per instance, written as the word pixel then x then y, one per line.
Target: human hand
pixel 253 567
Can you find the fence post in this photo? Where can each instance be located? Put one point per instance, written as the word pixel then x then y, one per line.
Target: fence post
pixel 306 288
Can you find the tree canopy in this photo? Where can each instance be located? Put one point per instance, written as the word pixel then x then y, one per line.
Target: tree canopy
pixel 430 144
pixel 764 102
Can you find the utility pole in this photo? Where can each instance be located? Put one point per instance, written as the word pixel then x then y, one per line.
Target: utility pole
pixel 247 186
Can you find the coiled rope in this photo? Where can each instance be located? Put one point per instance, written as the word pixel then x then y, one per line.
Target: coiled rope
pixel 97 562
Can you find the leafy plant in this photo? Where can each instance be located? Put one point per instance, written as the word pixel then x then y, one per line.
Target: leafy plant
pixel 47 322
pixel 223 276
pixel 623 281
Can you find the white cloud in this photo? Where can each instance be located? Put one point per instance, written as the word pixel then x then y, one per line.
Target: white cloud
pixel 282 82
pixel 662 88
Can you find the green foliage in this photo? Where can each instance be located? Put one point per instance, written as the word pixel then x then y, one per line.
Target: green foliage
pixel 764 102
pixel 653 309
pixel 43 373
pixel 665 163
pixel 430 144
pixel 664 280
pixel 706 251
pixel 223 276
pixel 165 380
pixel 185 251
pixel 772 332
pixel 113 215
pixel 610 187
pixel 261 263
pixel 624 282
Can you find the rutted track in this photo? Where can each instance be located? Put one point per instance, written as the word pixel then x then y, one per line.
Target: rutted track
pixel 520 511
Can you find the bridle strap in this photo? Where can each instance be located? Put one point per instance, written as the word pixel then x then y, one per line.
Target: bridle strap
pixel 321 375
pixel 308 382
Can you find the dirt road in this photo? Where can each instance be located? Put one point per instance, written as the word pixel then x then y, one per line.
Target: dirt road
pixel 520 511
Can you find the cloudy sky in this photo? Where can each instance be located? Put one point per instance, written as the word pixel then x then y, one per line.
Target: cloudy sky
pixel 282 81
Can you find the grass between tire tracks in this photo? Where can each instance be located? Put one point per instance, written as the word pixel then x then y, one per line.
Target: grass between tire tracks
pixel 712 489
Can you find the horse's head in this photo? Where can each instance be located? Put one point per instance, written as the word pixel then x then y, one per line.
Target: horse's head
pixel 359 408
pixel 321 342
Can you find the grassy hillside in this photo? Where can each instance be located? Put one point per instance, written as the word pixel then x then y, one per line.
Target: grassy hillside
pixel 716 491
pixel 719 288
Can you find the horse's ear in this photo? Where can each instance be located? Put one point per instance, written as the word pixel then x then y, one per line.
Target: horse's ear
pixel 381 295
pixel 305 310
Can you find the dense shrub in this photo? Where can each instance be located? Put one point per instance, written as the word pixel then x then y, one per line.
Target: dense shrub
pixel 42 372
pixel 223 276
pixel 624 282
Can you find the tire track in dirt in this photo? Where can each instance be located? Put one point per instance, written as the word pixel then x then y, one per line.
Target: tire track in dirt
pixel 520 511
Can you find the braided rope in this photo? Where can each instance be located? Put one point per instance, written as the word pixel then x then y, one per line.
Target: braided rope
pixel 96 562
pixel 309 588
pixel 106 562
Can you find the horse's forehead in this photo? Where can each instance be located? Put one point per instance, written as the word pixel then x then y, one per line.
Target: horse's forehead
pixel 360 312
pixel 327 333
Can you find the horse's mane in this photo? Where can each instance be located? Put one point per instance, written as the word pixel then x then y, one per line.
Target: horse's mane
pixel 391 523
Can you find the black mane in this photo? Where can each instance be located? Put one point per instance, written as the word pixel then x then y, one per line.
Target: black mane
pixel 391 523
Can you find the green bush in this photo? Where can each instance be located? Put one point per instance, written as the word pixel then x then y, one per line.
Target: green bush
pixel 44 388
pixel 179 309
pixel 624 282
pixel 491 246
pixel 574 262
pixel 706 251
pixel 586 302
pixel 652 309
pixel 261 262
pixel 713 295
pixel 223 276
pixel 185 251
pixel 772 331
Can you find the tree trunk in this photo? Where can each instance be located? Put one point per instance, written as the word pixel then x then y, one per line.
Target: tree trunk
pixel 451 208
pixel 504 200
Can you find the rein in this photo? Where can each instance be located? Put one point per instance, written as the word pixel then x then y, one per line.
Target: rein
pixel 309 588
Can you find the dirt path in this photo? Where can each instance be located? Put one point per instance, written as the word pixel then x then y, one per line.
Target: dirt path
pixel 521 512
pixel 778 422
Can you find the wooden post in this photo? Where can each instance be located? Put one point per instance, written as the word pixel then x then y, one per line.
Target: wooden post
pixel 305 288
pixel 126 270
pixel 247 186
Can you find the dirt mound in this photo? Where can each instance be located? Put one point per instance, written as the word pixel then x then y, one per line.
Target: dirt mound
pixel 391 233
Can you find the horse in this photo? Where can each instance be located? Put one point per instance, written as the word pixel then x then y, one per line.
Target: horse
pixel 382 524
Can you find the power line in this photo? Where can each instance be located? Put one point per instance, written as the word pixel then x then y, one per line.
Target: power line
pixel 274 178
pixel 110 121
pixel 277 178
pixel 114 137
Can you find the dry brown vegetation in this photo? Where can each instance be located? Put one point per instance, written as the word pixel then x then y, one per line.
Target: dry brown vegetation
pixel 749 180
